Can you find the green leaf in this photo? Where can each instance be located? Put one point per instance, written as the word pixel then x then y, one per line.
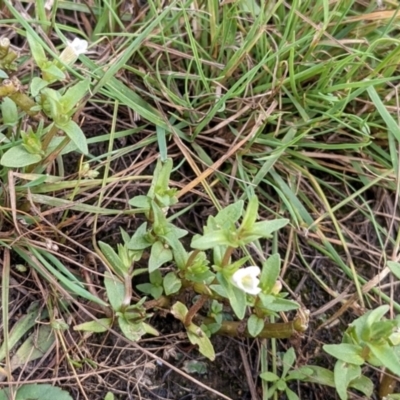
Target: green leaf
pixel 9 112
pixel 264 229
pixel 98 326
pixel 363 385
pixel 132 330
pixel 269 376
pixel 227 217
pixel 277 304
pixel 37 51
pixel 394 268
pixel 375 315
pixel 251 214
pixel 270 272
pixel 349 353
pixel 237 297
pixel 210 240
pixel 291 395
pixel 18 157
pixel 139 239
pixel 171 283
pixel 74 95
pixel 113 259
pixel 52 72
pixel 385 354
pixel 255 325
pixel 36 392
pixel 115 290
pixel 109 396
pixel 343 374
pixel 37 84
pixel 320 375
pixel 148 288
pixel 288 360
pixel 74 132
pixel 159 255
pixel 140 202
pixel 179 311
pixel 300 374
pixel 150 330
pixel 198 337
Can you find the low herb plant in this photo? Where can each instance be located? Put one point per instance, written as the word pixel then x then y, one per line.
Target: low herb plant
pixel 208 270
pixel 50 129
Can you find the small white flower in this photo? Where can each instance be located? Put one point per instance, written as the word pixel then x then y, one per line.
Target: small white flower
pixel 73 50
pixel 79 46
pixel 247 280
pixel 49 5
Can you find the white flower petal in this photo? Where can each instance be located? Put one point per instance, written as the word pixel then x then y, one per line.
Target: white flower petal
pixel 246 279
pixel 79 46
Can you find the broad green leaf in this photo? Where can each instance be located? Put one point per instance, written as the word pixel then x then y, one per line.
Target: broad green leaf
pixel 227 217
pixel 277 304
pixel 179 311
pixel 386 355
pixel 376 315
pixel 171 283
pixel 148 288
pixel 74 132
pixel 132 330
pixel 74 95
pixel 52 73
pixel 37 84
pixel 394 268
pixel 139 239
pixel 210 240
pixel 109 396
pixel 197 336
pixel 159 255
pixel 288 360
pixel 291 395
pixel 363 385
pixel 140 202
pixel 349 353
pixel 343 374
pixel 269 376
pixel 9 112
pixel 98 326
pixel 300 374
pixel 36 392
pixel 112 257
pixel 264 229
pixel 115 290
pixel 270 272
pixel 320 375
pixel 255 325
pixel 150 330
pixel 37 51
pixel 18 157
pixel 237 297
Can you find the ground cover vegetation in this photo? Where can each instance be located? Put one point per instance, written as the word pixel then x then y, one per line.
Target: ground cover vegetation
pixel 199 199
